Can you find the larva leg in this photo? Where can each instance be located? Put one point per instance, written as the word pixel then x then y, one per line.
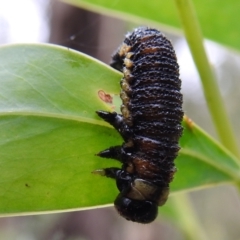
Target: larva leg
pixel 112 152
pixel 108 172
pixel 120 175
pixel 116 120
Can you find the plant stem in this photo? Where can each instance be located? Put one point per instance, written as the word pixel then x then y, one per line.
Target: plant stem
pixel 187 219
pixel 211 90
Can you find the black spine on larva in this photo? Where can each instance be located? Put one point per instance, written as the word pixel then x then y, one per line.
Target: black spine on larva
pixel 150 123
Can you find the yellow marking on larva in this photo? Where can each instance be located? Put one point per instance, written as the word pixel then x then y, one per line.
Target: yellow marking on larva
pixel 124 97
pixel 127 73
pixel 125 86
pixel 124 49
pixel 129 55
pixel 129 79
pixel 125 111
pixel 128 63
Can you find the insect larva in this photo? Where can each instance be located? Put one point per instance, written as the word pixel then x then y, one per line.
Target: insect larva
pixel 150 124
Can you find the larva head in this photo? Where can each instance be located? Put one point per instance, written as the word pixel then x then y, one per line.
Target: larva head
pixel 139 202
pixel 141 211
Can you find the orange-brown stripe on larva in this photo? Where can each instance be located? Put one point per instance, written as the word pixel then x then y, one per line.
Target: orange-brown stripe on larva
pixel 146 38
pixel 145 169
pixel 151 50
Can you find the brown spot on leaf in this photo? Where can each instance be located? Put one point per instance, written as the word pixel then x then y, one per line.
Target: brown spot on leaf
pixel 107 98
pixel 189 121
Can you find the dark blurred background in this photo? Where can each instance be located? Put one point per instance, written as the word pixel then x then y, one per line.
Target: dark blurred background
pixel 217 209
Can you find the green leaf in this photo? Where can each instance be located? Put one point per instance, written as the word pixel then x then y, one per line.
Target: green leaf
pixel 49 134
pixel 49 129
pixel 204 161
pixel 222 26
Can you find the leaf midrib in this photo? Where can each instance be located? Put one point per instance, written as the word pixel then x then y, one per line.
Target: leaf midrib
pixel 230 171
pixel 57 116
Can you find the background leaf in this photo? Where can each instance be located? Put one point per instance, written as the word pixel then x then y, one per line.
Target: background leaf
pixel 222 28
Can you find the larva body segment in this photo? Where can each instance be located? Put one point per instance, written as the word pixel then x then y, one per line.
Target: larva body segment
pixel 150 123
